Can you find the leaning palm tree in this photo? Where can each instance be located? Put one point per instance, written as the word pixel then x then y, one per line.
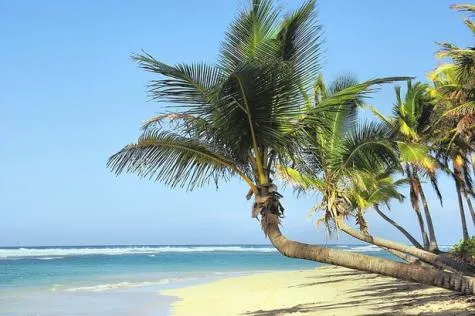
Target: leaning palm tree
pixel 411 122
pixel 244 116
pixel 373 190
pixel 349 165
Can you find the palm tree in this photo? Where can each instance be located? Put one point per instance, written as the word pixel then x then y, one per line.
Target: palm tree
pixel 454 92
pixel 413 115
pixel 376 189
pixel 349 164
pixel 244 116
pixel 454 151
pixel 379 188
pixel 410 121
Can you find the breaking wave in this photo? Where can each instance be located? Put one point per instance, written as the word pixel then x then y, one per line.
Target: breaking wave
pixel 55 253
pixel 60 252
pixel 115 286
pixel 368 248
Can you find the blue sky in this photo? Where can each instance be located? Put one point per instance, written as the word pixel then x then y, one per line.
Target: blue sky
pixel 70 97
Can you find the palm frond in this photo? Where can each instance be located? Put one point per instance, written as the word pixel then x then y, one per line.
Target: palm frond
pixel 352 93
pixel 192 85
pixel 338 110
pixel 300 181
pixel 461 110
pixel 462 58
pixel 435 185
pixel 299 39
pixel 463 7
pixel 416 154
pixel 251 35
pixel 173 160
pixel 367 148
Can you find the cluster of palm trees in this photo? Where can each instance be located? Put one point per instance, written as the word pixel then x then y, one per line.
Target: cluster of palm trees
pixel 264 113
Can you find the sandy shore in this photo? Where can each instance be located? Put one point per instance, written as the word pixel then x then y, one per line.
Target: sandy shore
pixel 323 291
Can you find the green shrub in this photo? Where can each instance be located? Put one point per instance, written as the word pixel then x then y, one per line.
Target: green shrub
pixel 464 248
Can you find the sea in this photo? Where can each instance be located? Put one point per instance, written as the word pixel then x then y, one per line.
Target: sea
pixel 127 280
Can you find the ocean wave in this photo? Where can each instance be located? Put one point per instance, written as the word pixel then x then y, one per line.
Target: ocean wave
pixel 49 258
pixel 445 247
pixel 115 286
pixel 58 252
pixel 369 248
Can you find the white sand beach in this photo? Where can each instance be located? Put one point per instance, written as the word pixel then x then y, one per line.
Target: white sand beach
pixel 322 291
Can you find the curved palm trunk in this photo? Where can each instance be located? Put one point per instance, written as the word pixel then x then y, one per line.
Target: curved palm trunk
pixel 458 186
pixel 408 258
pixel 405 257
pixel 408 272
pixel 399 227
pixel 432 240
pixel 437 261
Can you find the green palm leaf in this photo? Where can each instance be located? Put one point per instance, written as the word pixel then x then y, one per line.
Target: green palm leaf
pixel 193 85
pixel 299 180
pixel 173 160
pixel 417 154
pixel 250 36
pixel 367 148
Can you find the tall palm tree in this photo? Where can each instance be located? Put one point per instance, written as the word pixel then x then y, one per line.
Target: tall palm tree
pixel 244 116
pixel 454 152
pixel 411 123
pixel 454 90
pixel 412 116
pixel 454 136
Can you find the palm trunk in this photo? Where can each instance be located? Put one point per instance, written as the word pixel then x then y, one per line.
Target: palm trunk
pixel 425 238
pixel 405 257
pixel 399 227
pixel 408 272
pixel 432 240
pixel 458 186
pixel 415 206
pixel 408 258
pixel 472 158
pixel 470 207
pixel 467 196
pixel 425 256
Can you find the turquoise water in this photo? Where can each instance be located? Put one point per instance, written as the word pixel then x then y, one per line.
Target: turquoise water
pixel 126 280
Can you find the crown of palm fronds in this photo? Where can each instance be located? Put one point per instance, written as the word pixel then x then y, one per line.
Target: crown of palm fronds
pixel 454 85
pixel 343 154
pixel 247 113
pixel 228 118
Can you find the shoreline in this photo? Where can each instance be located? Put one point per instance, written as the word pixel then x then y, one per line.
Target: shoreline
pixel 326 290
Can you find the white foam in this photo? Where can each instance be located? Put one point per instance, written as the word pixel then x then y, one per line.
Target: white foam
pixel 369 248
pixel 115 286
pixel 63 252
pixel 49 258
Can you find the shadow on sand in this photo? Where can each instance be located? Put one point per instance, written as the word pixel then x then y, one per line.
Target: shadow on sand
pixel 372 299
